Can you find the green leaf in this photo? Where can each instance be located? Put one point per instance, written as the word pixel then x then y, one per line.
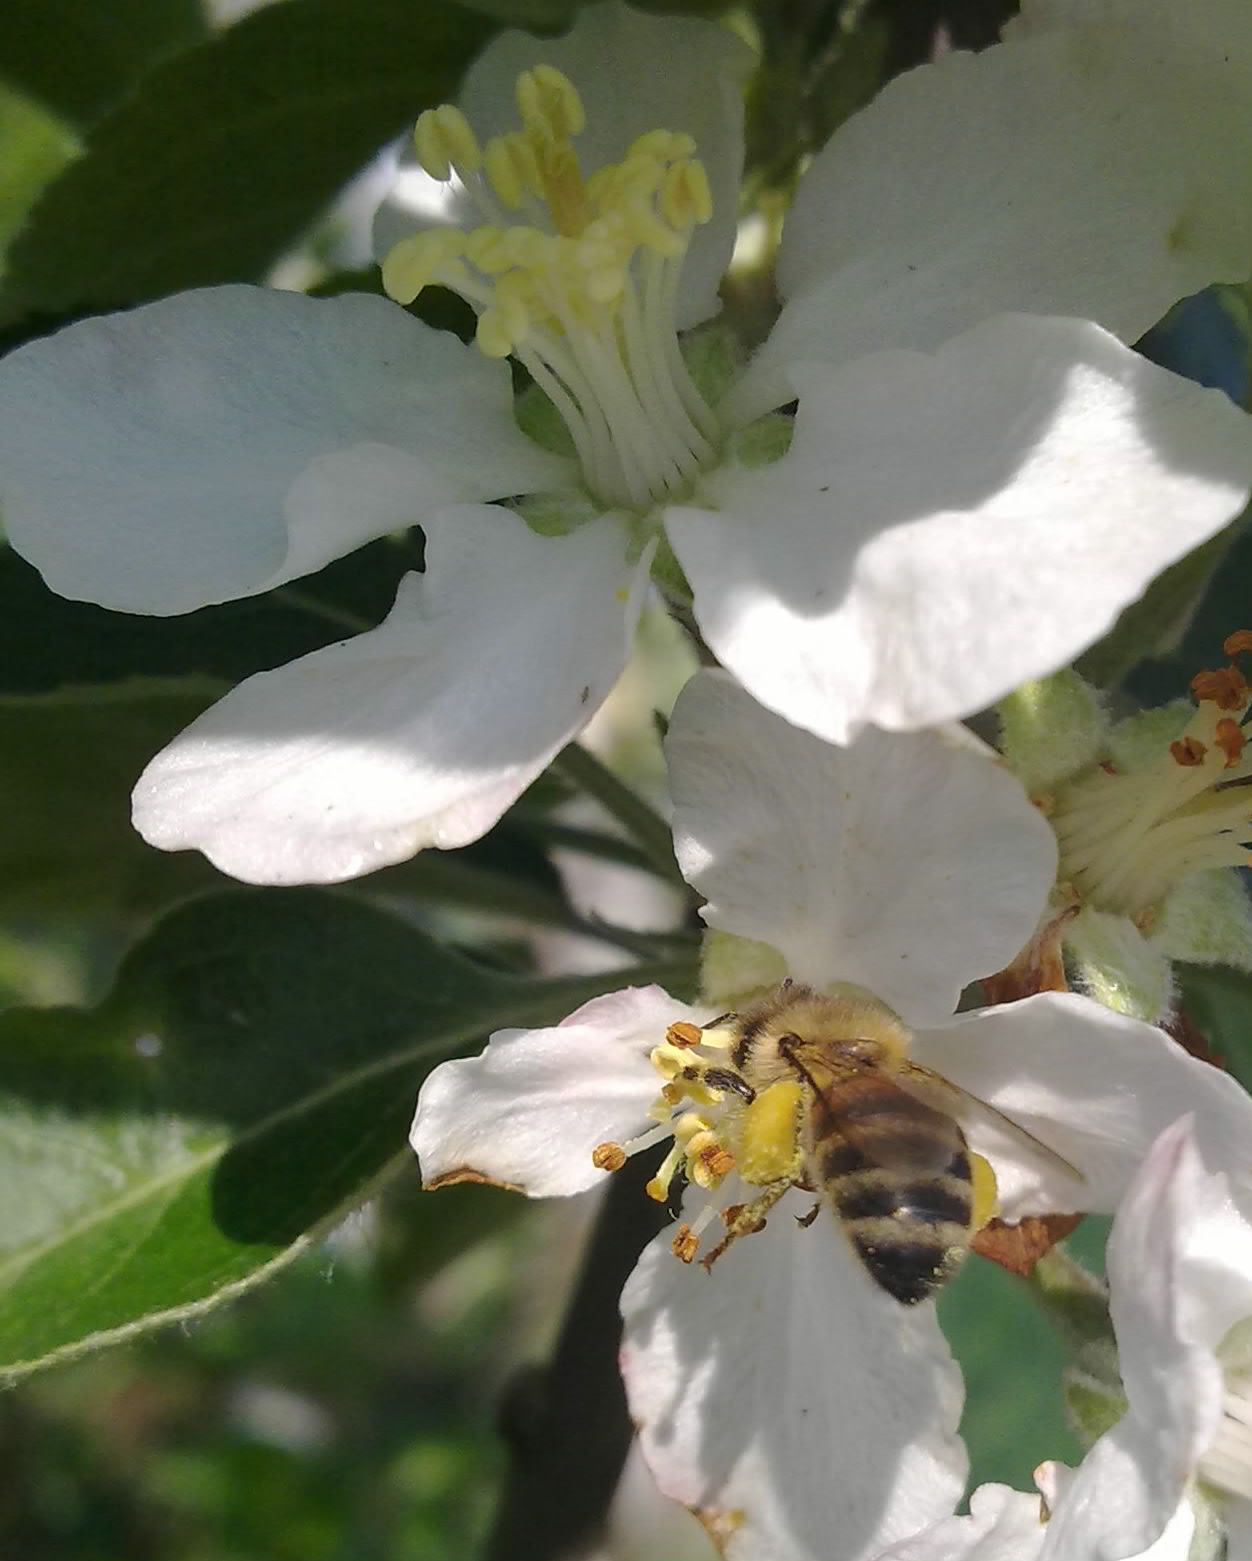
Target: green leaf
pixel 66 841
pixel 34 146
pixel 227 152
pixel 251 1075
pixel 535 15
pixel 48 643
pixel 1219 1002
pixel 80 56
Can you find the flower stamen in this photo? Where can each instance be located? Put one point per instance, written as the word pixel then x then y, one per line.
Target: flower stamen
pixel 1126 838
pixel 718 1125
pixel 584 292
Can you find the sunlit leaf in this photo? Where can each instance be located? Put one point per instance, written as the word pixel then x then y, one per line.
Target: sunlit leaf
pixel 251 1073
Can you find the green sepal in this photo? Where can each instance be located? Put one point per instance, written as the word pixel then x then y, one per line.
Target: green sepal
pixel 1111 961
pixel 539 420
pixel 1050 729
pixel 763 442
pixel 734 970
pixel 557 514
pixel 1143 739
pixel 714 358
pixel 1093 1404
pixel 1206 919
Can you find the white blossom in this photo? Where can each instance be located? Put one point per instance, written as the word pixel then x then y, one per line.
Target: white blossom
pixel 965 498
pixel 794 1405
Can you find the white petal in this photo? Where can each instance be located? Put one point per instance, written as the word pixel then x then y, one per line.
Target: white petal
pixel 635 73
pixel 529 1111
pixel 1003 1525
pixel 1097 1087
pixel 1135 1478
pixel 420 732
pixel 216 443
pixel 798 1410
pixel 902 863
pixel 945 528
pixel 1174 1543
pixel 1091 173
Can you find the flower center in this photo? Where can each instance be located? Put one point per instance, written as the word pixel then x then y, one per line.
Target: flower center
pixel 718 1124
pixel 1125 839
pixel 577 278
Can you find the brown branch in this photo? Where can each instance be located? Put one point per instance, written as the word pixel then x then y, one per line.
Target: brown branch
pixel 566 1424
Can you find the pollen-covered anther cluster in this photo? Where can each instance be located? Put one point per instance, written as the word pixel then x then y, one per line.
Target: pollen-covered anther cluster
pixel 701 1107
pixel 576 277
pixel 1127 836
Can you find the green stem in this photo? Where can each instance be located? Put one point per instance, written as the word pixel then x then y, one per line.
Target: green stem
pixel 641 821
pixel 566 1423
pixel 340 617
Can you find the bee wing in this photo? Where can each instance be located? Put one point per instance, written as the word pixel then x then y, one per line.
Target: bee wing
pixel 977 1116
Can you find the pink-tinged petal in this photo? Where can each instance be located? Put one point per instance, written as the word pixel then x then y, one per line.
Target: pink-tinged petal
pixel 528 1112
pixel 1002 1525
pixel 1098 171
pixel 796 1408
pixel 1094 1086
pixel 418 733
pixel 1133 1482
pixel 635 73
pixel 219 442
pixel 907 864
pixel 944 528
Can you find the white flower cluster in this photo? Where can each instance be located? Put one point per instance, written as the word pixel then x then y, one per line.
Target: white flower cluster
pixel 937 482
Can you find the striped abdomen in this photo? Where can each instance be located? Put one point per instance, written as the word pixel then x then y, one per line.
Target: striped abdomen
pixel 898 1175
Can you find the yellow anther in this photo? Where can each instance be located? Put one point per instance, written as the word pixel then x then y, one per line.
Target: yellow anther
pixel 506 172
pixel 608 1157
pixel 486 249
pixel 688 1126
pixel 416 262
pixel 548 103
pixel 667 145
pixel 686 200
pixel 685 1244
pixel 429 145
pixel 649 232
pixel 986 1201
pixel 708 1160
pixel 444 141
pixel 669 1058
pixel 682 1034
pixel 502 328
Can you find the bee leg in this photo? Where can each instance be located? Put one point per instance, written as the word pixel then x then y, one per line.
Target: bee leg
pixel 726 1078
pixel 805 1220
pixel 745 1219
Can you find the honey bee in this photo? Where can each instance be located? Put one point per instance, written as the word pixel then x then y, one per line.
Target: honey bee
pixel 877 1137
